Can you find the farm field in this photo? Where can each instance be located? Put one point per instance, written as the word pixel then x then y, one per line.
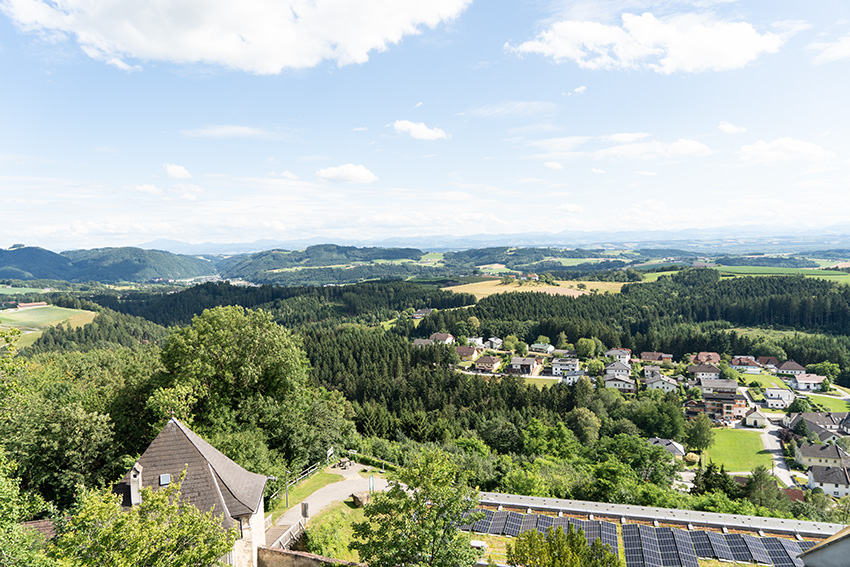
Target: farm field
pixel 541 382
pixel 30 321
pixel 18 290
pixel 831 402
pixel 653 276
pixel 487 288
pixel 739 450
pixel 830 275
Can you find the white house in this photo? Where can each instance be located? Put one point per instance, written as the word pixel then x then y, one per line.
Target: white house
pixel 708 371
pixel 651 371
pixel 835 481
pixel 213 482
pixel 618 369
pixel 622 383
pixel 807 382
pixel 663 383
pixel 475 341
pixel 755 418
pixel 445 338
pixel 494 343
pixel 561 365
pixel 746 364
pixel 778 398
pixel 790 367
pixel 570 378
pixel 622 355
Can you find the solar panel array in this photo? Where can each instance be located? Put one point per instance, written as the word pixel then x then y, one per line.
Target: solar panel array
pixel 646 546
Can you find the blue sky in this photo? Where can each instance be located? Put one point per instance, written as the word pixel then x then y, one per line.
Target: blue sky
pixel 123 122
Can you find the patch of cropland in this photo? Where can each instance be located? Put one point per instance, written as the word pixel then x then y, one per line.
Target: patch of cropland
pixel 768 261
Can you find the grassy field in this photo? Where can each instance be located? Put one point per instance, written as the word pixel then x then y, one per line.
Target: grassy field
pixel 653 276
pixel 829 275
pixel 17 290
pixel 830 402
pixel 302 491
pixel 337 520
pixel 32 321
pixel 541 382
pixel 766 381
pixel 739 449
pixel 492 286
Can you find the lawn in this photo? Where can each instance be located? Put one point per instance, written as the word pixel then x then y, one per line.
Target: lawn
pixel 334 526
pixel 653 276
pixel 831 403
pixel 766 380
pixel 18 290
pixel 541 382
pixel 41 316
pixel 739 449
pixel 570 288
pixel 301 491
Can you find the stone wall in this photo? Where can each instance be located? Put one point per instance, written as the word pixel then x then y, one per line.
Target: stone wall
pixel 268 557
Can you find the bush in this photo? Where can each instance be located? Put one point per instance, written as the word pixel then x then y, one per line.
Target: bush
pixel 691 459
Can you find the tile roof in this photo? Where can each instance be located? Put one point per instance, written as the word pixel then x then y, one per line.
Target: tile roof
pixel 825 451
pixel 212 480
pixel 790 365
pixel 831 475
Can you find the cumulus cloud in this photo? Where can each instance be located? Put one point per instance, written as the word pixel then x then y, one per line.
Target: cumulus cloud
pixel 570 208
pixel 262 36
pixel 729 128
pixel 348 173
pixel 597 170
pixel 829 52
pixel 689 43
pixel 224 131
pixel 149 189
pixel 626 137
pixel 783 149
pixel 419 130
pixel 177 171
pixel 553 165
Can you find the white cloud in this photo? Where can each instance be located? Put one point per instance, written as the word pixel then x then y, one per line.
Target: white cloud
pixel 177 171
pixel 730 128
pixel 419 130
pixel 360 129
pixel 688 43
pixel 521 108
pixel 626 137
pixel 223 131
pixel 348 173
pixel 580 90
pixel 149 189
pixel 287 175
pixel 261 36
pixel 654 150
pixel 597 170
pixel 553 165
pixel 417 105
pixel 831 51
pixel 783 149
pixel 647 173
pixel 188 192
pixel 570 208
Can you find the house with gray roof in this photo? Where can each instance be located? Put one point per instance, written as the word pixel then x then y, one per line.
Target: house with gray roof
pixel 675 449
pixel 622 355
pixel 824 455
pixel 834 481
pixel 708 371
pixel 212 482
pixel 790 367
pixel 618 369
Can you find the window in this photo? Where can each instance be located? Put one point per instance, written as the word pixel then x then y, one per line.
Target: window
pixel 164 479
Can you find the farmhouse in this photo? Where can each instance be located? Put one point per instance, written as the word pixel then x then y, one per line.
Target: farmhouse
pixel 705 371
pixel 488 363
pixel 422 342
pixel 835 481
pixel 807 382
pixel 31 305
pixel 811 454
pixel 421 313
pixel 572 377
pixel 214 482
pixel 768 362
pixel 746 364
pixel 790 367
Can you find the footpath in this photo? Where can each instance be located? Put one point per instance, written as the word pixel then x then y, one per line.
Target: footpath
pixel 326 497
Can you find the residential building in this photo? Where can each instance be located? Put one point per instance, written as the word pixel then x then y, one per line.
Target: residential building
pixel 469 353
pixel 705 371
pixel 562 365
pixel 835 481
pixel 746 364
pixel 475 341
pixel 790 367
pixel 618 369
pixel 718 406
pixel 830 420
pixel 444 338
pixel 706 358
pixel 831 552
pixel 825 455
pixel 755 418
pixel 622 355
pixel 651 371
pixel 494 343
pixel 212 482
pixel 778 398
pixel 768 362
pixel 422 342
pixel 488 363
pixel 421 313
pixel 571 377
pixel 716 386
pixel 656 357
pixel 565 353
pixel 809 382
pixel 544 348
pixel 622 383
pixel 675 449
pixel 530 366
pixel 663 383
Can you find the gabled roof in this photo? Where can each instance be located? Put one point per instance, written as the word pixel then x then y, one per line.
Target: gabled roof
pixel 837 537
pixel 442 337
pixel 812 378
pixel 614 351
pixel 669 445
pixel 212 480
pixel 756 412
pixel 790 365
pixel 744 361
pixel 823 451
pixel 661 378
pixel 618 366
pixel 767 360
pixel 465 350
pixel 487 359
pixel 718 383
pixel 709 368
pixel 612 378
pixel 521 360
pixel 831 475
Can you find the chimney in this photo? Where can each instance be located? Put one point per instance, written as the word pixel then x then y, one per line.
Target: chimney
pixel 136 485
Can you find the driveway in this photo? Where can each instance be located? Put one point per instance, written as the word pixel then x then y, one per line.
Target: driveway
pixel 770 440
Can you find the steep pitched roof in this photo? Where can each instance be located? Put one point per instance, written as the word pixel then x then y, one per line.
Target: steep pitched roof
pixel 669 445
pixel 790 365
pixel 710 368
pixel 831 475
pixel 824 451
pixel 212 480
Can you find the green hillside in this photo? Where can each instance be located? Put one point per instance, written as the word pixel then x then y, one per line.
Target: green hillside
pixel 135 265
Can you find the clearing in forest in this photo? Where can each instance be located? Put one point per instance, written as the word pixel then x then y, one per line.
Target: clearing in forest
pixel 570 288
pixel 32 320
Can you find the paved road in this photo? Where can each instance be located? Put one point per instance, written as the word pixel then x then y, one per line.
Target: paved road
pixel 325 497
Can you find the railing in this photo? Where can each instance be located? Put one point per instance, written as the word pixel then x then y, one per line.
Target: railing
pixel 268 523
pixel 291 535
pixel 312 469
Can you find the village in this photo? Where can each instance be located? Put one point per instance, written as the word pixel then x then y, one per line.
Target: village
pixel 792 408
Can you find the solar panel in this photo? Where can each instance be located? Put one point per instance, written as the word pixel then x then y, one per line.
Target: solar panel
pixel 513 524
pixel 778 555
pixel 631 546
pixel 702 546
pixel 544 523
pixel 667 546
pixel 482 526
pixel 794 549
pixel 592 531
pixel 720 546
pixel 564 522
pixel 609 536
pixel 740 551
pixel 757 550
pixel 649 543
pixel 529 522
pixel 806 545
pixel 497 526
pixel 465 527
pixel 685 547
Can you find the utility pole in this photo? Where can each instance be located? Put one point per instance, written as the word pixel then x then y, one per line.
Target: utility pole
pixel 287 488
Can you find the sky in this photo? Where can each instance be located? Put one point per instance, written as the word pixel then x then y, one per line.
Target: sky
pixel 123 122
